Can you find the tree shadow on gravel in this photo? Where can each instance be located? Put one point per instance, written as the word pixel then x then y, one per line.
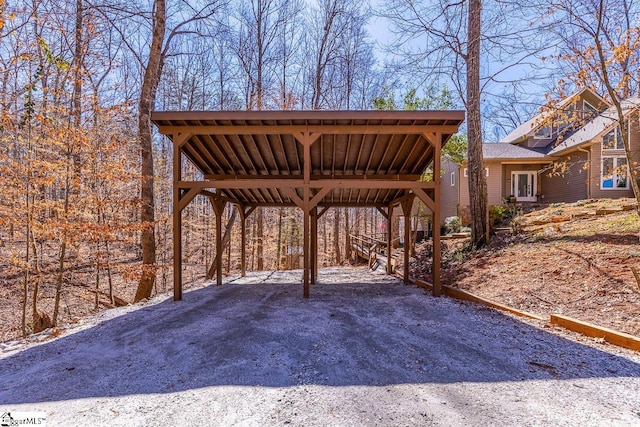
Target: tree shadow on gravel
pixel 372 333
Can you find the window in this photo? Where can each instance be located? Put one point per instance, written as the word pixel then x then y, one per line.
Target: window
pixel 612 140
pixel 589 110
pixel 614 173
pixel 560 127
pixel 466 173
pixel 542 133
pixel 453 179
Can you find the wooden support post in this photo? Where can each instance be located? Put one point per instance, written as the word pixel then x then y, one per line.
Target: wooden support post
pixel 437 289
pixel 314 244
pixel 389 246
pixel 406 210
pixel 177 223
pixel 306 139
pixel 244 214
pixel 304 204
pixel 306 257
pixel 218 207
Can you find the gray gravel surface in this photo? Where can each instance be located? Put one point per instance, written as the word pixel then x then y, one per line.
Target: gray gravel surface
pixel 363 350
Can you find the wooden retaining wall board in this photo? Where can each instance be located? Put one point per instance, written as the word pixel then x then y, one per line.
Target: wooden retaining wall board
pixel 614 337
pixel 467 296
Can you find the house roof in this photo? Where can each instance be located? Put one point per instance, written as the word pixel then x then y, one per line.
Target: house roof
pixel 522 130
pixel 503 150
pixel 602 123
pixel 525 128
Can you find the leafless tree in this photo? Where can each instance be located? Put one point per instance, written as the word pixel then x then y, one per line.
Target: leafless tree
pixel 447 41
pixel 600 47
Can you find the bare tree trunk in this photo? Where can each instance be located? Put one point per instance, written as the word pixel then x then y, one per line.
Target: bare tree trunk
pixel 260 231
pixel 97 296
pixel 77 64
pixel 615 99
pixel 477 180
pixel 109 278
pixel 147 101
pixel 26 271
pixel 41 320
pixel 324 237
pixel 253 242
pixel 72 155
pixel 374 222
pixel 63 244
pixel 107 260
pixel 279 248
pixel 347 244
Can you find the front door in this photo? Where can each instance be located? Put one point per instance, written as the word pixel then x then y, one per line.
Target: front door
pixel 523 186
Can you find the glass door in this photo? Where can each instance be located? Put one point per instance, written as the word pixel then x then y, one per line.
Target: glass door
pixel 523 186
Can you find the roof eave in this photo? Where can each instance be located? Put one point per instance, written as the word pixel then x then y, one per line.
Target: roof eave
pixel 455 115
pixel 530 160
pixel 567 150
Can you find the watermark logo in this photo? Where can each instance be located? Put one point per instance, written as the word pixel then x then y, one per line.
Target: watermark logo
pixel 10 419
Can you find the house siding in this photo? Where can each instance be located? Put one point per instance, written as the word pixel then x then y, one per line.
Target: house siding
pixel 569 185
pixel 596 164
pixel 449 193
pixel 494 187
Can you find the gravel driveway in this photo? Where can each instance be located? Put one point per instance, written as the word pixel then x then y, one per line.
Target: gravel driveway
pixel 373 352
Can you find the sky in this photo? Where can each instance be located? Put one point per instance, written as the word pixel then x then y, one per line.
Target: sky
pixel 532 76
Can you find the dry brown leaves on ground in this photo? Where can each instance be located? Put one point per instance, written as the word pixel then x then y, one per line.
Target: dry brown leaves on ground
pixel 580 266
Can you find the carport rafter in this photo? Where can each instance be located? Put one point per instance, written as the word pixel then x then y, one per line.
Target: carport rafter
pixel 310 180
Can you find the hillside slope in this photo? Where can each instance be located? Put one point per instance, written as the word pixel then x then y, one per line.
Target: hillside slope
pixel 566 259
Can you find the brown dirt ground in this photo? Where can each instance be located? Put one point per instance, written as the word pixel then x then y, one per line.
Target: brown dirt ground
pixel 77 297
pixel 566 260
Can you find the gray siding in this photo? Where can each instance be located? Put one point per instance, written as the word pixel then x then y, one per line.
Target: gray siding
pixel 449 193
pixel 494 185
pixel 567 181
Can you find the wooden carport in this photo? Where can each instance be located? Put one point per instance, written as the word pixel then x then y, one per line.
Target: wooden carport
pixel 313 160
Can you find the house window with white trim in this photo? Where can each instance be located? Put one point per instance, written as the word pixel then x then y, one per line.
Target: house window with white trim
pixel 542 133
pixel 453 179
pixel 465 173
pixel 589 110
pixel 560 127
pixel 614 173
pixel 612 140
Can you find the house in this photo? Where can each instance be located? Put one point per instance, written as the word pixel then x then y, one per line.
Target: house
pixel 6 419
pixel 576 153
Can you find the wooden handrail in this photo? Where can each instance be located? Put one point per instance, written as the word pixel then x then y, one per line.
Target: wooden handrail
pixel 363 238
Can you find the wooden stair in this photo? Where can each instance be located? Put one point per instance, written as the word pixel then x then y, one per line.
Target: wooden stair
pixel 373 249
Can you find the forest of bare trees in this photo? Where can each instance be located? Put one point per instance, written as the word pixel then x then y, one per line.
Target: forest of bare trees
pixel 85 206
pixel 86 194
